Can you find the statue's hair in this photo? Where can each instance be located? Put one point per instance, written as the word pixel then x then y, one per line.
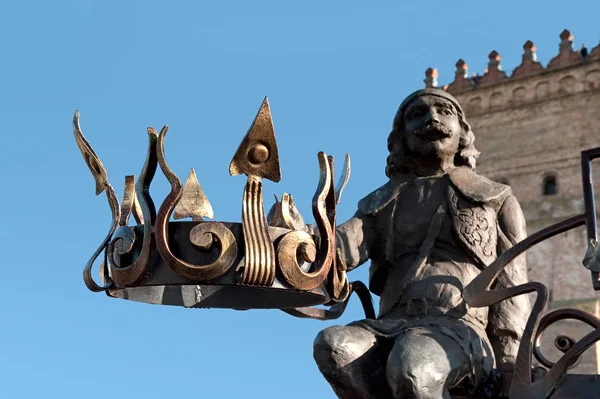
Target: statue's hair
pixel 400 161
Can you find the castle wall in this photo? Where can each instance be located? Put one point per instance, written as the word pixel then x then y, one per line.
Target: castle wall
pixel 524 140
pixel 531 125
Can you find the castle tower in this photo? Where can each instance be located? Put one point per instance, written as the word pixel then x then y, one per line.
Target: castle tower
pixel 530 127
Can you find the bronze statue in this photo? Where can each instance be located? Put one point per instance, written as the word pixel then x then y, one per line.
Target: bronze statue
pixel 446 249
pixel 428 232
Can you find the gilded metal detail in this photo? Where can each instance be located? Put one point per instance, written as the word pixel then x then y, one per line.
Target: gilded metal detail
pixel 301 242
pixel 124 241
pixel 294 245
pixel 204 235
pixel 259 264
pixel 258 158
pixel 102 184
pixel 130 205
pixel 193 202
pixel 257 154
pixel 285 214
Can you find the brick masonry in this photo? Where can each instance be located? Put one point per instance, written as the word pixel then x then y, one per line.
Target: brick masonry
pixel 529 126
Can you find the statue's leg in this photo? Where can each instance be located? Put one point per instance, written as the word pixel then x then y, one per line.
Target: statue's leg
pixel 352 360
pixel 425 363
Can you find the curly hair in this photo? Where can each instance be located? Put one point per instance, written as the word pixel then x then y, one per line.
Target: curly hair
pixel 400 161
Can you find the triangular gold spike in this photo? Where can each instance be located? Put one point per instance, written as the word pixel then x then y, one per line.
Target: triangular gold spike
pixel 193 202
pixel 257 155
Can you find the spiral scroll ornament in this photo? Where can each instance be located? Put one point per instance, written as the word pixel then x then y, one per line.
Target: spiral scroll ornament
pixel 478 294
pixel 128 275
pixel 300 242
pixel 202 236
pixel 562 342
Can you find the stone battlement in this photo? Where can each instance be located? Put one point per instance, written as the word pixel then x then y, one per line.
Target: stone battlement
pixel 570 71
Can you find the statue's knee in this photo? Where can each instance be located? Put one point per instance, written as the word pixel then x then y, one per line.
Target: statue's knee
pixel 337 346
pixel 414 380
pixel 416 370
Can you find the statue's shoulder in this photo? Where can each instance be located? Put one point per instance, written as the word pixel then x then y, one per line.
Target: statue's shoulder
pixel 478 188
pixel 474 187
pixel 381 197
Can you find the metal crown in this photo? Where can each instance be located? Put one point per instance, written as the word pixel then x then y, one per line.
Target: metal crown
pixel 207 263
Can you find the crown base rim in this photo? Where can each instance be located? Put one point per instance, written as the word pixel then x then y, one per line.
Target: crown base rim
pixel 206 296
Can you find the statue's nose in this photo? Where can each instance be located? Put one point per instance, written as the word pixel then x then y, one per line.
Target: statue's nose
pixel 431 116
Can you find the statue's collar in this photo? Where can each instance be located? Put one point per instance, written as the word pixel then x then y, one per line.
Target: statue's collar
pixel 473 186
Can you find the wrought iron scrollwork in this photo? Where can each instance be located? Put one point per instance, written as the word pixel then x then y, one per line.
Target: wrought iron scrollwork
pixel 299 241
pixel 329 265
pixel 562 342
pixel 478 294
pixel 123 241
pixel 338 309
pixel 203 236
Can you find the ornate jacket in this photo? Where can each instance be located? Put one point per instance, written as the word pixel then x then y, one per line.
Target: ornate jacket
pixel 486 220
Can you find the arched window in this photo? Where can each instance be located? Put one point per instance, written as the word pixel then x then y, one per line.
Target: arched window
pixel 550 187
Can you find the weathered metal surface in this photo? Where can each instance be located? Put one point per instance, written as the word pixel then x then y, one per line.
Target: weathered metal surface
pixel 203 236
pixel 257 154
pixel 257 157
pixel 193 202
pixel 102 184
pixel 169 286
pixel 592 256
pixel 299 241
pixel 128 273
pixel 223 264
pixel 130 205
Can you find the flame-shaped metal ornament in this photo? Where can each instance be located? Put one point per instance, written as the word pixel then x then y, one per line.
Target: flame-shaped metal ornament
pixel 299 242
pixel 123 240
pixel 258 158
pixel 343 180
pixel 102 184
pixel 130 205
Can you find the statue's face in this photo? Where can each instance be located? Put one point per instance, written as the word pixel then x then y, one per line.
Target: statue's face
pixel 431 126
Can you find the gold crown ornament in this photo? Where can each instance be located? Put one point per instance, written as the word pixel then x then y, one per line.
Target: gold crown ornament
pixel 200 263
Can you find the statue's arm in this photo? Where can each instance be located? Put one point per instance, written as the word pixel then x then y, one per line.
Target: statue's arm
pixel 353 239
pixel 507 319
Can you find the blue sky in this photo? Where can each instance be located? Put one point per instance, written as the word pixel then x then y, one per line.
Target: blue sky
pixel 334 72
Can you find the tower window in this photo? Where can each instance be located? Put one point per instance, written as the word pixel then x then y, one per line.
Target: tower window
pixel 550 185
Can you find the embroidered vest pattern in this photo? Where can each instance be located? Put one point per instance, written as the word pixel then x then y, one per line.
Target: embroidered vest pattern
pixel 475 227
